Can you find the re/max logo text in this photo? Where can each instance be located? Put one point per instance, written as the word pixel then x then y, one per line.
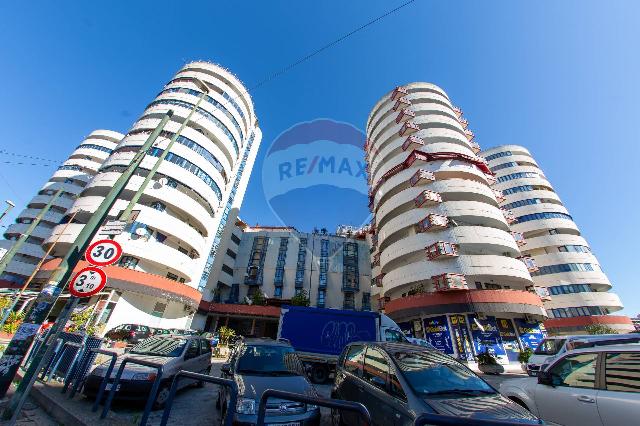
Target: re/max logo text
pixel 304 166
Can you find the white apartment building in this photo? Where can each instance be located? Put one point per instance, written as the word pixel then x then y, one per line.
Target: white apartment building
pixel 445 264
pixel 174 242
pixel 332 270
pixel 577 290
pixel 72 176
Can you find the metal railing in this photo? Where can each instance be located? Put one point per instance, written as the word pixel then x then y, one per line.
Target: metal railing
pixel 441 420
pixel 321 402
pixel 228 421
pixel 152 394
pixel 59 355
pixel 84 370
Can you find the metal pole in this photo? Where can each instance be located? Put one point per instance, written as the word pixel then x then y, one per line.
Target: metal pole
pixel 17 348
pixel 6 259
pixel 35 271
pixel 10 205
pixel 136 197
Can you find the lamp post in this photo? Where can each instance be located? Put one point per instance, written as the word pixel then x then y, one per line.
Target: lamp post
pixel 10 205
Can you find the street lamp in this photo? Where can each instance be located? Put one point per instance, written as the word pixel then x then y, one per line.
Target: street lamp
pixel 10 205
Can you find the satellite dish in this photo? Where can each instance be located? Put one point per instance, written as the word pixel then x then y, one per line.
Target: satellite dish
pixel 163 181
pixel 141 232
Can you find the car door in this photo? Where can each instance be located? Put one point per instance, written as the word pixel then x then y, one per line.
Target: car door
pixel 348 381
pixel 190 360
pixel 375 396
pixel 402 416
pixel 204 360
pixel 572 398
pixel 619 400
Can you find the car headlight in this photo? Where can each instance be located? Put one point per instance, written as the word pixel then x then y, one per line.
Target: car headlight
pixel 144 376
pixel 246 406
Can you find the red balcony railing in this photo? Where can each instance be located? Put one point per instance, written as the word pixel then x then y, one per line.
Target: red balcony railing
pixel 432 222
pixel 401 103
pixel 509 216
pixel 404 115
pixel 422 177
pixel 376 259
pixel 441 249
pixel 475 147
pixel 464 122
pixel 499 195
pixel 412 142
pixel 378 280
pixel 428 198
pixel 399 92
pixel 458 111
pixel 530 263
pixel 447 282
pixel 408 128
pixel 519 237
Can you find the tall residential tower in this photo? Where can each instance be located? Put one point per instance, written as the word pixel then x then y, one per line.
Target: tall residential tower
pixel 171 247
pixel 576 285
pixel 445 264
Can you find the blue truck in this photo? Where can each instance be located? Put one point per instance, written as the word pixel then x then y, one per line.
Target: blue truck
pixel 318 335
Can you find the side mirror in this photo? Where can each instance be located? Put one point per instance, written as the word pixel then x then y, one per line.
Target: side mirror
pixel 226 368
pixel 545 378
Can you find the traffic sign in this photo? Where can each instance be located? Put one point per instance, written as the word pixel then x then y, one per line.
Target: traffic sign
pixel 87 282
pixel 112 227
pixel 103 252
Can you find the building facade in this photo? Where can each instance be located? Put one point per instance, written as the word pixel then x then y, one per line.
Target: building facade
pixel 171 246
pixel 576 289
pixel 72 176
pixel 445 265
pixel 278 263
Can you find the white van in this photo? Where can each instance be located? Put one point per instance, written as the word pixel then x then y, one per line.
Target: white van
pixel 554 346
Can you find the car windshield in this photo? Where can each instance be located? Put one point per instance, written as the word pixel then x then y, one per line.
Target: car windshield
pixel 549 346
pixel 268 359
pixel 160 346
pixel 432 373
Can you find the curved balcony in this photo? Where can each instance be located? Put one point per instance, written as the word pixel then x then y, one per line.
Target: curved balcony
pixel 40 201
pixel 539 208
pixel 62 175
pixel 20 268
pixel 74 188
pixel 486 301
pixel 597 278
pixel 172 226
pixel 610 301
pixel 502 148
pixel 109 135
pixel 88 166
pixel 51 216
pixel 20 228
pixel 555 240
pixel 618 322
pixel 538 224
pixel 97 155
pixel 139 282
pixel 65 239
pixel 525 195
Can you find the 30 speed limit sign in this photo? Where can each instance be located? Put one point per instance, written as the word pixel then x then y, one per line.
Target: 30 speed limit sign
pixel 103 253
pixel 87 282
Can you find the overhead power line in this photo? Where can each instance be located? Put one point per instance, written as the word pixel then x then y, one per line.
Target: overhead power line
pixel 32 157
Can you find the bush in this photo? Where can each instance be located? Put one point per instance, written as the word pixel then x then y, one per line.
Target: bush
pixel 226 333
pixel 486 358
pixel 600 329
pixel 525 354
pixel 300 299
pixel 13 322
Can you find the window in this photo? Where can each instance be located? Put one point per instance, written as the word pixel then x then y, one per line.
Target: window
pixel 171 276
pixel 498 155
pixel 129 262
pixel 376 368
pixel 570 288
pixel 574 248
pixel 622 372
pixel 160 237
pixel 227 269
pixel 231 253
pixel 205 346
pixel 183 250
pixel 349 301
pixel 545 215
pixel 172 183
pixel 395 387
pixel 277 292
pixel 321 297
pixel 521 203
pixel 578 371
pixel 394 336
pixel 157 205
pixel 567 267
pixel 504 166
pixel 366 301
pixel 235 238
pixel 518 175
pixel 158 309
pixel 353 360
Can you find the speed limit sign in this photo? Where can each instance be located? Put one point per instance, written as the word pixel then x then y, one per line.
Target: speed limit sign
pixel 103 252
pixel 87 282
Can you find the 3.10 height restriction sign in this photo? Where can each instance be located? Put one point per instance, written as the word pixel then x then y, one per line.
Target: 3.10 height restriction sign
pixel 103 252
pixel 87 282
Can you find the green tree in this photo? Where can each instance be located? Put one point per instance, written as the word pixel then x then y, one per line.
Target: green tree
pixel 600 329
pixel 13 322
pixel 300 299
pixel 257 298
pixel 226 333
pixel 5 302
pixel 525 354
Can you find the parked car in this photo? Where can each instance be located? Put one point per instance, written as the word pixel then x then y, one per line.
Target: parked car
pixel 260 364
pixel 130 333
pixel 596 386
pixel 552 347
pixel 420 342
pixel 175 353
pixel 398 382
pixel 159 331
pixel 184 332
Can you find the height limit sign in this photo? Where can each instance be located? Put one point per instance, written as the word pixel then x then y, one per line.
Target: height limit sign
pixel 87 282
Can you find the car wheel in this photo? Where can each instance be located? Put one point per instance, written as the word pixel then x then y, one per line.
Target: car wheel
pixel 161 397
pixel 319 374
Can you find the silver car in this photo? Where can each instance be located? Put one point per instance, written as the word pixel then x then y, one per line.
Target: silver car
pixel 174 353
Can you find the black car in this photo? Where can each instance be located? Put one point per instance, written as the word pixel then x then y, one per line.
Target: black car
pixel 130 333
pixel 397 382
pixel 260 364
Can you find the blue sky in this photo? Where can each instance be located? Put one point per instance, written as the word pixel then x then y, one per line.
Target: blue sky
pixel 560 78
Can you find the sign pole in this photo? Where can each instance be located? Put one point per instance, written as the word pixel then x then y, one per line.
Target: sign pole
pixel 17 348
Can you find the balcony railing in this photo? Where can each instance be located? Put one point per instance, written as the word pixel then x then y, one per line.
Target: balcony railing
pixel 412 142
pixel 448 282
pixel 509 216
pixel 432 222
pixel 378 280
pixel 401 103
pixel 499 195
pixel 475 147
pixel 427 198
pixel 408 128
pixel 441 249
pixel 458 111
pixel 376 260
pixel 470 135
pixel 464 122
pixel 519 237
pixel 422 177
pixel 530 263
pixel 404 115
pixel 383 301
pixel 349 287
pixel 399 92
